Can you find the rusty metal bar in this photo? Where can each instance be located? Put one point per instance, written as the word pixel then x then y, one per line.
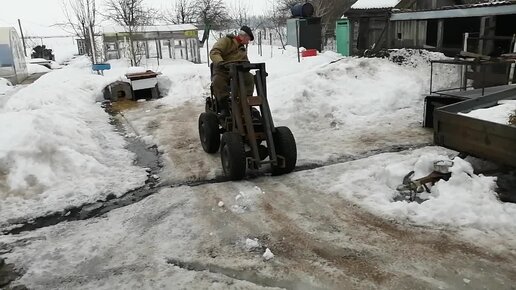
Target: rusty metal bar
pixel 246 110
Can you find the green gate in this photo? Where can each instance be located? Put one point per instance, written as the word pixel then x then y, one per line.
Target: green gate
pixel 342 32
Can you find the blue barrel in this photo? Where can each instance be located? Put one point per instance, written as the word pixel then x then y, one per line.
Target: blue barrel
pixel 302 10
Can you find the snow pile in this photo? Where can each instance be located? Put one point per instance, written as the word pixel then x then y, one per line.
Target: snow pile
pixel 5 86
pixel 58 149
pixel 444 75
pixel 320 95
pixel 466 199
pixel 499 114
pixel 251 244
pixel 370 4
pixel 183 81
pixel 136 69
pixel 36 68
pixel 268 255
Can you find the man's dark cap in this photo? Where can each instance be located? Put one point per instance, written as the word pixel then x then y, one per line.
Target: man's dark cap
pixel 247 30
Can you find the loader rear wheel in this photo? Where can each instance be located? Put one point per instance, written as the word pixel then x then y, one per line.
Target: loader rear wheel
pixel 285 145
pixel 232 155
pixel 209 132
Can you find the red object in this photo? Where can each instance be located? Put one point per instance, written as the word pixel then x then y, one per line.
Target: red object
pixel 309 52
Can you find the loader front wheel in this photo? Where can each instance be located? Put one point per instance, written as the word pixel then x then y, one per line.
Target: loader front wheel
pixel 232 155
pixel 209 132
pixel 286 150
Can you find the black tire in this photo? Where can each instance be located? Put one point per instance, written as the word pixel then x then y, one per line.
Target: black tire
pixel 208 105
pixel 232 155
pixel 209 132
pixel 286 147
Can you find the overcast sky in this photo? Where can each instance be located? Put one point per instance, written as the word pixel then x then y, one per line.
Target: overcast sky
pixel 38 16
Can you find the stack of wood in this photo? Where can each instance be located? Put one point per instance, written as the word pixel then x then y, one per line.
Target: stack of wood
pixel 509 56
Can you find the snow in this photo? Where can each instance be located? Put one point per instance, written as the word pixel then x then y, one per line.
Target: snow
pixel 327 99
pixel 58 149
pixel 5 86
pixel 498 114
pixel 36 68
pixel 323 99
pixel 268 255
pixel 465 201
pixel 136 69
pixel 63 48
pixel 251 244
pixel 369 4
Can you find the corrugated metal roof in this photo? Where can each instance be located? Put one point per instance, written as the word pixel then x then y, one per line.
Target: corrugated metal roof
pixel 473 5
pixel 468 10
pixel 374 4
pixel 159 28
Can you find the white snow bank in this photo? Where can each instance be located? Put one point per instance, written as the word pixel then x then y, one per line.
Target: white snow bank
pixel 36 68
pixel 136 69
pixel 326 98
pixel 369 4
pixel 465 200
pixel 5 85
pixel 317 94
pixel 58 149
pixel 55 65
pixel 182 81
pixel 498 114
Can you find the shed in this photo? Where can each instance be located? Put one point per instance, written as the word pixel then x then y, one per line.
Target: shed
pixel 170 41
pixel 438 25
pixel 12 59
pixel 489 28
pixel 369 23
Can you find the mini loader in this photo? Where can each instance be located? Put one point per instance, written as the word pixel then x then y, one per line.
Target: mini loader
pixel 249 137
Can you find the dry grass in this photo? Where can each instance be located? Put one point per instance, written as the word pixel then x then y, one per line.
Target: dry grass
pixel 512 119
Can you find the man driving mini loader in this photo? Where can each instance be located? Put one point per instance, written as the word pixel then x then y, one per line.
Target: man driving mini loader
pixel 228 49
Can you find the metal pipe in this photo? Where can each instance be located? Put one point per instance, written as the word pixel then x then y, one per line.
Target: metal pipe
pixel 23 38
pixel 297 44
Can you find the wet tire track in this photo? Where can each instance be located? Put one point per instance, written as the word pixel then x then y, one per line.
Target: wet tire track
pixel 148 157
pixel 249 275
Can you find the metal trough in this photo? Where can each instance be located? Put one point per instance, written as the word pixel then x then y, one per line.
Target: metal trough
pixel 480 138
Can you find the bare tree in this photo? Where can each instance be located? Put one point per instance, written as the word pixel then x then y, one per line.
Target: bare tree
pixel 239 13
pixel 330 11
pixel 183 12
pixel 132 15
pixel 212 13
pixel 277 20
pixel 81 16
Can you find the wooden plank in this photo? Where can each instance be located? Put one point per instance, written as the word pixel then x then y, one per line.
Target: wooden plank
pixel 254 100
pixel 474 55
